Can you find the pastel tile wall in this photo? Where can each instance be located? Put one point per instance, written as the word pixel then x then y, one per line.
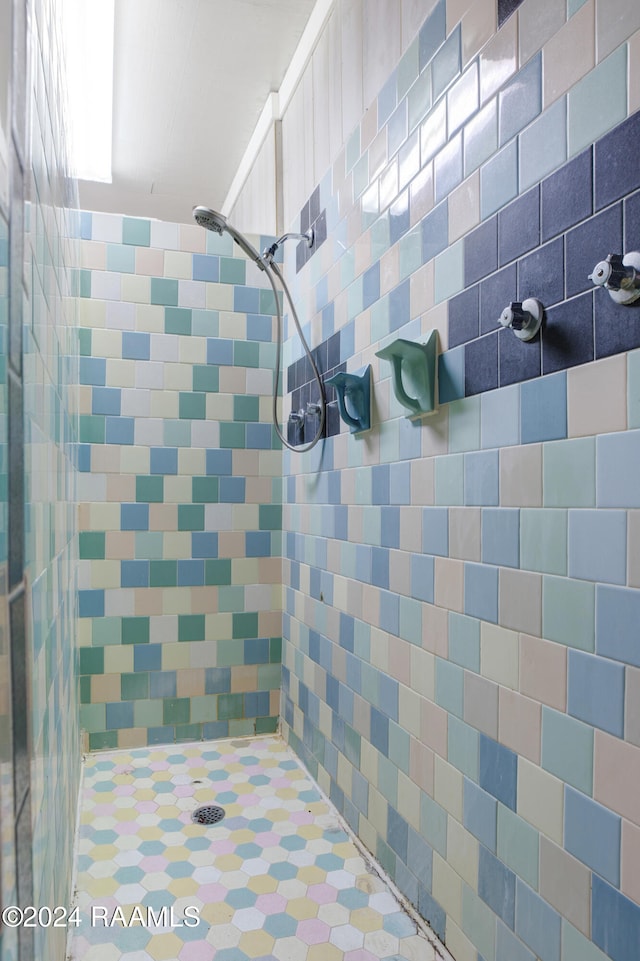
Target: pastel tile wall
pixel 180 487
pixel 459 660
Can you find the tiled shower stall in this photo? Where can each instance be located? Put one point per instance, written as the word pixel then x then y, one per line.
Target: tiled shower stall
pixel 442 613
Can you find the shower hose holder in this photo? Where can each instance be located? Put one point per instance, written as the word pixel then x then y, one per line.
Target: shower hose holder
pixel 620 275
pixel 414 368
pixel 354 398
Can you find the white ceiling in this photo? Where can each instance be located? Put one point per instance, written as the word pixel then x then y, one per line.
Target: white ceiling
pixel 190 80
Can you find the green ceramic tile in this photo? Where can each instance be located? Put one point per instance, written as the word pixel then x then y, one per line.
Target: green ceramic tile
pixel 275 650
pixel 408 68
pixel 464 641
pixel 92 660
pixel 449 272
pixel 231 599
pixel 190 517
pixel 410 252
pixel 121 259
pixel 575 947
pixel 177 433
pixel 388 780
pixel 92 428
pixel 136 231
pixel 352 743
pixel 164 292
pixel 246 353
pixel 229 653
pixel 246 407
pixel 204 709
pixel 245 625
pixel 411 620
pixel 135 630
pixel 149 489
pixel 93 717
pixel 449 480
pixel 386 857
pixel 91 544
pixel 598 102
pixel 389 433
pixel 267 355
pixel 380 324
pixel 217 572
pixel 518 845
pixel 543 145
pixel 177 320
pixel 85 689
pixel 567 749
pixel 633 388
pixel 191 627
pixel 175 710
pixel 267 725
pixel 134 686
pixel 205 323
pixel 149 545
pixel 85 283
pixel 380 241
pixel 103 740
pixel 188 732
pixel 204 490
pixel 268 305
pixel 352 150
pixel 192 406
pixel 399 746
pixel 568 612
pixel 106 631
pixel 569 473
pixel 232 435
pixel 354 298
pixel 241 728
pixel 163 574
pixel 543 541
pixel 433 824
pixel 206 379
pixel 84 337
pixel 229 706
pixel 147 713
pixel 269 677
pixel 449 687
pixel 419 99
pixel 463 747
pixel 270 517
pixel 478 922
pixel 499 180
pixel 464 424
pixel 572 7
pixel 233 270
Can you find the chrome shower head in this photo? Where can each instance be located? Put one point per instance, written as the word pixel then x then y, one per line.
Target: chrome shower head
pixel 212 220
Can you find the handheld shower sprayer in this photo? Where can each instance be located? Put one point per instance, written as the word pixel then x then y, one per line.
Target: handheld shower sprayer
pixel 218 223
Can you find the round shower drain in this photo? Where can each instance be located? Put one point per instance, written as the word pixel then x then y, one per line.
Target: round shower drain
pixel 208 814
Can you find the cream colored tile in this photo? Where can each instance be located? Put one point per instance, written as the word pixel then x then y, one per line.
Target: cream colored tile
pixel 597 397
pixel 192 238
pixel 570 54
pixel 421 765
pixel 539 20
pixel 458 943
pixel 543 671
pixel 411 530
pixel 150 260
pixel 435 629
pixel 464 207
pixel 136 290
pixel 462 852
pixel 479 25
pixel 94 255
pixel 447 888
pixel 437 319
pixel 389 270
pixel 630 860
pixel 633 60
pixel 133 737
pixel 540 800
pixel 521 600
pixel 521 476
pixel 499 59
pixel 481 704
pixel 409 800
pixel 105 688
pixel 421 194
pixel 566 884
pixel 633 548
pixel 616 20
pixel 414 13
pixel 421 289
pixel 464 533
pixel 499 654
pixel 448 788
pixel 616 775
pixel 409 711
pixel 433 730
pixel 520 724
pixel 456 10
pixel 449 583
pixel 423 673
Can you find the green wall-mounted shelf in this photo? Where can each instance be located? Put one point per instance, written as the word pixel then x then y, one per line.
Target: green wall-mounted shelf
pixel 354 398
pixel 414 366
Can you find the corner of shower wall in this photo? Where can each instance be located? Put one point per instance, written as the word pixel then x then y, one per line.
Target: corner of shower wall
pixel 180 487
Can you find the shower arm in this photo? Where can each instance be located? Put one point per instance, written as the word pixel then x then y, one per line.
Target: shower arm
pixel 269 252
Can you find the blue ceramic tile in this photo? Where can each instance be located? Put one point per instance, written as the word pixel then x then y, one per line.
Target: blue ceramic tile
pixel 596 691
pixel 617 619
pixel 566 196
pixel 420 858
pixel 480 137
pixel 499 180
pixel 422 574
pixel 616 162
pixel 445 66
pixel 585 246
pixel 449 687
pixel 390 527
pixel 501 537
pixel 537 924
pixel 518 360
pixel 219 351
pixel 246 300
pixel 371 285
pixel 399 217
pixel 464 641
pixel 451 375
pixel 397 833
pixel 614 333
pixel 387 99
pixel 497 886
pixel 431 911
pixel 93 371
pixel 399 305
pixel 259 327
pixel 481 251
pixel 119 430
pixel 506 8
pixel 498 771
pixel 204 544
pixel 543 409
pixel 219 462
pixel 134 573
pixel 435 531
pixel 598 545
pixel 190 573
pixel 496 293
pixel 163 460
pixel 447 167
pixel 521 100
pixel 510 948
pixel 379 731
pixel 618 469
pixel 462 747
pixel 542 146
pixel 432 34
pixel 435 232
pixel 500 417
pixel 380 567
pixel 463 317
pixel 147 657
pixel 390 612
pixel 615 922
pixel 632 222
pixel 481 478
pixel 592 834
pixel 480 814
pixel 481 592
pixel 481 364
pixel 541 274
pixel 206 268
pixel 380 484
pixel 136 345
pixel 400 483
pixel 397 128
pixel 519 226
pixel 106 400
pixel 119 715
pixel 567 334
pixel 134 517
pixel 232 490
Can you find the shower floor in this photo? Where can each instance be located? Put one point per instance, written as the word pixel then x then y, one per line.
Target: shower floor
pixel 277 880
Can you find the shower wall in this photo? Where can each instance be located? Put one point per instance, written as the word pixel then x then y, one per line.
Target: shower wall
pixel 180 487
pixel 40 742
pixel 460 657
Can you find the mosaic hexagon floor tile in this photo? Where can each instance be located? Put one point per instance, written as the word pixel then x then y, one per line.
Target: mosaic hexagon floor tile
pixel 277 879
